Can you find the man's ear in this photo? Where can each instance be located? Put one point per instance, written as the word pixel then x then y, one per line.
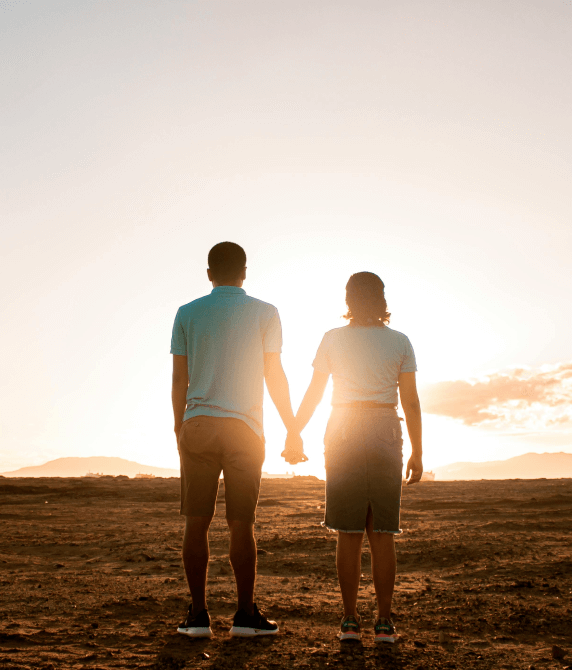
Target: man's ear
pixel 243 274
pixel 209 274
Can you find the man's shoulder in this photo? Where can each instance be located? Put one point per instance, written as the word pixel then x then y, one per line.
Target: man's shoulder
pixel 264 307
pixel 194 304
pixel 211 300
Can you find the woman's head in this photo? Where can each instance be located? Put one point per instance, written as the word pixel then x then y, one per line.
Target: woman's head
pixel 365 298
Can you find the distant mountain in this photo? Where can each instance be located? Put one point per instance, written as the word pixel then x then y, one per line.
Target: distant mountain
pixel 527 466
pixel 79 467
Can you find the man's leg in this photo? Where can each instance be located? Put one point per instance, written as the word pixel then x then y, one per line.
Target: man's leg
pixel 196 559
pixel 383 566
pixel 348 563
pixel 243 561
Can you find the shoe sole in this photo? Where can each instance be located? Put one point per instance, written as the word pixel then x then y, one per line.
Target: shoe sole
pixel 239 631
pixel 349 636
pixel 195 632
pixel 388 639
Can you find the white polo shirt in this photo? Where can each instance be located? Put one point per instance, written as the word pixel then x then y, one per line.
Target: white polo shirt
pixel 225 335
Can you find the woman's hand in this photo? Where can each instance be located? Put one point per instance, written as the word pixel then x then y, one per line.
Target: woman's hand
pixel 415 469
pixel 294 449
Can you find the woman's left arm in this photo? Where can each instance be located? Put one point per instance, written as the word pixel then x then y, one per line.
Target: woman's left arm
pixel 312 398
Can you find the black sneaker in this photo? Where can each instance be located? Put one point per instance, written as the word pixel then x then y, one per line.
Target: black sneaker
pixel 246 625
pixel 350 628
pixel 384 631
pixel 198 626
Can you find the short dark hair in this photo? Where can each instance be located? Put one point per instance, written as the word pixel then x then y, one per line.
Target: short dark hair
pixel 365 298
pixel 227 260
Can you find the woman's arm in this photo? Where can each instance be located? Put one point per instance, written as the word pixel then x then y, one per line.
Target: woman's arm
pixel 412 408
pixel 312 399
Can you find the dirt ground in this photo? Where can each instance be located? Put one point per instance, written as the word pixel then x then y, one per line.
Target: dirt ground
pixel 91 577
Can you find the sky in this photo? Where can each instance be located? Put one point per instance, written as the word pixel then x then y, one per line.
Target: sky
pixel 428 142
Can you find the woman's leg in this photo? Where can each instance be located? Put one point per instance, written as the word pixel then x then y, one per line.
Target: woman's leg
pixel 383 566
pixel 348 562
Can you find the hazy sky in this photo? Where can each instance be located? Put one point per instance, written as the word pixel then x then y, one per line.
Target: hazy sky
pixel 428 142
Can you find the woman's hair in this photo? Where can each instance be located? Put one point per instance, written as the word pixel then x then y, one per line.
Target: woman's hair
pixel 365 298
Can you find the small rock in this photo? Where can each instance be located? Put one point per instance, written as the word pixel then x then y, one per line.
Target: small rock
pixel 558 652
pixel 443 637
pixel 59 565
pixel 349 658
pixel 420 644
pixel 285 580
pixel 94 624
pixel 204 655
pixel 261 552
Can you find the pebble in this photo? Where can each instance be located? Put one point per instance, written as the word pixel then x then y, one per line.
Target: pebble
pixel 558 652
pixel 418 643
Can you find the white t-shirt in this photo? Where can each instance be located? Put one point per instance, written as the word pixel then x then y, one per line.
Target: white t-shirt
pixel 225 336
pixel 365 362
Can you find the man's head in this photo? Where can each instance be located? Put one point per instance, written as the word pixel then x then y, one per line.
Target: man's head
pixel 227 264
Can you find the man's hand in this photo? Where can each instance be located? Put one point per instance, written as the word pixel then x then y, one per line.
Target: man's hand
pixel 294 449
pixel 414 469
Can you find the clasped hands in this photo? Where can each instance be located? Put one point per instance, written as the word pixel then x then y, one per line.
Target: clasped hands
pixel 294 449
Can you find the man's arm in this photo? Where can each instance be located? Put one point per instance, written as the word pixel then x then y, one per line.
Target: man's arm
pixel 312 398
pixel 412 409
pixel 277 386
pixel 179 390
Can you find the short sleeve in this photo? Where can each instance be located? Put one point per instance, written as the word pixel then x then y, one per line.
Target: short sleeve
pixel 178 338
pixel 408 363
pixel 322 361
pixel 272 338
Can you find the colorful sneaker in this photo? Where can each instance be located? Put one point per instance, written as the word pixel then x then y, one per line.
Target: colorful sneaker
pixel 384 631
pixel 246 625
pixel 350 628
pixel 198 626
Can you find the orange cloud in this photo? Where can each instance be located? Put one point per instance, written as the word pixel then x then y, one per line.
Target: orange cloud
pixel 517 399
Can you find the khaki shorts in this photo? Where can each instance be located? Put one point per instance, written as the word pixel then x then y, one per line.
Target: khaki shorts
pixel 210 445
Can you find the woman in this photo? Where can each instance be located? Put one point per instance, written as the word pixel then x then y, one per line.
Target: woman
pixel 368 362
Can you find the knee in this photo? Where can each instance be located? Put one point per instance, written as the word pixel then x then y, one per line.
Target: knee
pixel 241 528
pixel 197 526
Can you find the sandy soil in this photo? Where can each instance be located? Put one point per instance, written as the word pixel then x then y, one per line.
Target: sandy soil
pixel 91 577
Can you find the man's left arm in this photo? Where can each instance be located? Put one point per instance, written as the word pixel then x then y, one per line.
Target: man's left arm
pixel 278 388
pixel 179 389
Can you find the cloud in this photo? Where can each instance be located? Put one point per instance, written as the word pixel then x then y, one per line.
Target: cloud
pixel 519 399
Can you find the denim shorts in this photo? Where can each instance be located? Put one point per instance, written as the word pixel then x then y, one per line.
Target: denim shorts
pixel 364 465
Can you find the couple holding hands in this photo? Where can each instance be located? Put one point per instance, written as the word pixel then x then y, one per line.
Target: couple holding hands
pixel 225 345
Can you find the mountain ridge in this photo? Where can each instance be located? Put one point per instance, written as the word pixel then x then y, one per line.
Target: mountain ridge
pixel 553 465
pixel 79 466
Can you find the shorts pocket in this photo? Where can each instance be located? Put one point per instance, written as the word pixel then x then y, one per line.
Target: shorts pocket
pixel 336 430
pixel 389 431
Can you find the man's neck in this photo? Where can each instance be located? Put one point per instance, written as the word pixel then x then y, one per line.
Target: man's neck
pixel 236 284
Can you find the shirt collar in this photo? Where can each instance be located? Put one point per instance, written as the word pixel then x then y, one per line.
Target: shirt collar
pixel 229 290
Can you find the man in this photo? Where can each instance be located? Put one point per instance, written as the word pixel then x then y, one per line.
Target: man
pixel 224 346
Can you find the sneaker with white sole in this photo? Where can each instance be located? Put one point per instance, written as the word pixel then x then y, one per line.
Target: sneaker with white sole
pixel 350 628
pixel 251 625
pixel 384 631
pixel 198 626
